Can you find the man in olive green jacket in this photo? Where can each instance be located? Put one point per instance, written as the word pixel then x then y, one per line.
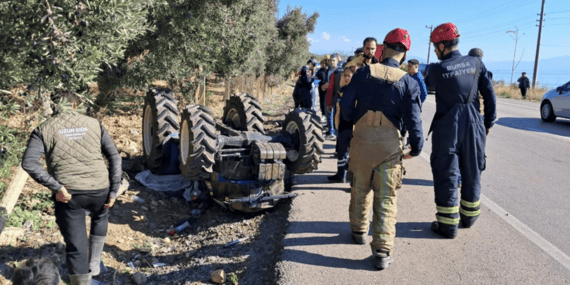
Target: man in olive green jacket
pixel 74 146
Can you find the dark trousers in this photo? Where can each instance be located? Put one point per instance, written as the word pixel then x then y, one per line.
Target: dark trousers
pixel 458 150
pixel 523 92
pixel 342 145
pixel 322 95
pixel 70 217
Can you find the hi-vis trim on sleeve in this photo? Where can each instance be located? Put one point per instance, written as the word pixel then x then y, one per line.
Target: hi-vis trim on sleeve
pixel 447 210
pixel 470 204
pixel 388 73
pixel 470 213
pixel 447 221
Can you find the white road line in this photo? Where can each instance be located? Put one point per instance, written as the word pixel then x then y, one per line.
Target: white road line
pixel 533 236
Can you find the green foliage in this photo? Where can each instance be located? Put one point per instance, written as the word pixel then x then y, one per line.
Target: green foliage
pixel 290 50
pixel 59 44
pixel 194 38
pixel 43 199
pixel 19 217
pixel 233 278
pixel 13 143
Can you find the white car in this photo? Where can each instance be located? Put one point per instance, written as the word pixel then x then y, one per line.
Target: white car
pixel 556 103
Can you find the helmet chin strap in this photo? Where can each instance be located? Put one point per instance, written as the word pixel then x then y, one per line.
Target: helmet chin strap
pixel 404 58
pixel 440 56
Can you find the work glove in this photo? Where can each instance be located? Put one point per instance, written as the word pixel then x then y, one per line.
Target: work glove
pixel 62 195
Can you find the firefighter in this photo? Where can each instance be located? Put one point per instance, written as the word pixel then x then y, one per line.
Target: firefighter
pixel 380 100
pixel 459 131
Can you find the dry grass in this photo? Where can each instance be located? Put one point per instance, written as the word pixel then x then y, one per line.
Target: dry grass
pixel 513 92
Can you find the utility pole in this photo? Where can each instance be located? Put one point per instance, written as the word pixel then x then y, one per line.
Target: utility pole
pixel 538 46
pixel 516 38
pixel 429 42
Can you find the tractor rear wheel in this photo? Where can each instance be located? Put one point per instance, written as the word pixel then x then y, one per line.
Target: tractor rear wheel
pixel 160 119
pixel 198 142
pixel 243 113
pixel 306 130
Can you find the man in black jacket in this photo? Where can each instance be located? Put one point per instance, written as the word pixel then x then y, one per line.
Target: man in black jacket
pixel 75 146
pixel 524 84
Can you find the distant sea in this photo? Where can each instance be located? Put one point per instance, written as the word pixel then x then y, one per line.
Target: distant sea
pixel 546 79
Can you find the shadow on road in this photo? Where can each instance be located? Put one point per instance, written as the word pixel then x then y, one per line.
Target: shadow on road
pixel 415 230
pixel 329 261
pixel 560 127
pixel 417 182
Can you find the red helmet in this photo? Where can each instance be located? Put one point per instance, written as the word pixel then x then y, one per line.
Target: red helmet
pixel 400 36
pixel 444 32
pixel 378 53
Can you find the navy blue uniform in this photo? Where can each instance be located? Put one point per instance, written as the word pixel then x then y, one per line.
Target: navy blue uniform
pixel 458 141
pixel 390 98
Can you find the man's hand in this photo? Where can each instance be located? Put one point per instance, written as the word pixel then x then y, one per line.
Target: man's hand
pixel 110 203
pixel 407 154
pixel 487 131
pixel 62 195
pixel 325 86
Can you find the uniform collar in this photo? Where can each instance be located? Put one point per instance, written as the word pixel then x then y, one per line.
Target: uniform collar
pixel 454 53
pixel 391 62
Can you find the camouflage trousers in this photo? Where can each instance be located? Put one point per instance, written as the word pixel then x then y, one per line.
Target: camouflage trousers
pixel 376 164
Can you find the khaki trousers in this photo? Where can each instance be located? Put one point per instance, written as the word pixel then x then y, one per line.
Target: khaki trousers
pixel 376 162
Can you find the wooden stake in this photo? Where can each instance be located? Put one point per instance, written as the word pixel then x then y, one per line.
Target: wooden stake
pixel 11 196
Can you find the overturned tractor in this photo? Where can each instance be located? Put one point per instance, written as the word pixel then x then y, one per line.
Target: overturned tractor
pixel 240 166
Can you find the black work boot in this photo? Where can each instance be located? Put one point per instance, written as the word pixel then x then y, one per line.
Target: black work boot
pixel 336 179
pixel 359 238
pixel 382 259
pixel 467 222
pixel 445 231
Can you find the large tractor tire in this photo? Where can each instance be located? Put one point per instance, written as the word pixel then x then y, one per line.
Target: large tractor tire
pixel 160 119
pixel 198 142
pixel 306 129
pixel 243 113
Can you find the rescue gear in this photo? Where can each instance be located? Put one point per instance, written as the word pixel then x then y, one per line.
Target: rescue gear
pixel 382 259
pixel 96 244
pixel 380 99
pixel 459 136
pixel 359 238
pixel 376 177
pixel 444 32
pixel 444 230
pixel 398 36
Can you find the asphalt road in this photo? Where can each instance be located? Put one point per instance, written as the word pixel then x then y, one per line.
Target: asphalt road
pixel 520 238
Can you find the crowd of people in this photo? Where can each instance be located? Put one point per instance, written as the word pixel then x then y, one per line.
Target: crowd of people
pixel 371 105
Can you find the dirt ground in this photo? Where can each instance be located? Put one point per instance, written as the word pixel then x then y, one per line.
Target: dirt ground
pixel 138 238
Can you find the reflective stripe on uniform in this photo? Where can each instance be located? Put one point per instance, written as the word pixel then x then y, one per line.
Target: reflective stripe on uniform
pixel 448 210
pixel 447 221
pixel 470 204
pixel 470 213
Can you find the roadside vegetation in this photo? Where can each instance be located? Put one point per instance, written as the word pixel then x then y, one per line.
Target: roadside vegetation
pixel 512 91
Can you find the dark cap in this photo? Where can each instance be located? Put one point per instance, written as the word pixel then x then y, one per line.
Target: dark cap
pixel 312 61
pixel 413 61
pixel 477 52
pixel 358 50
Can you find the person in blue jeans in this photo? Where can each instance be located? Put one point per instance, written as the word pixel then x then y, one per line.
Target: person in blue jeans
pixel 413 67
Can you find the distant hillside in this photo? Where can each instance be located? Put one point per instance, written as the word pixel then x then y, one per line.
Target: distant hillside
pixel 551 65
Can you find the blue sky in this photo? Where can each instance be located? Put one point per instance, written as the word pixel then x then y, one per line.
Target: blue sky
pixel 343 25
